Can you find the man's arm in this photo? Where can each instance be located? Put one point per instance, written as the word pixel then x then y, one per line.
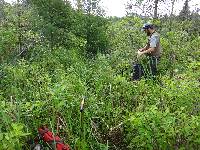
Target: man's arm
pixel 151 47
pixel 149 50
pixel 144 48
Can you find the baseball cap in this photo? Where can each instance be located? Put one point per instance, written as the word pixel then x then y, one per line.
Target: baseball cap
pixel 147 26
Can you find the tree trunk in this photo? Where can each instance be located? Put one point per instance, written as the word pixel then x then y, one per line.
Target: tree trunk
pixel 172 11
pixel 19 28
pixel 79 5
pixel 155 9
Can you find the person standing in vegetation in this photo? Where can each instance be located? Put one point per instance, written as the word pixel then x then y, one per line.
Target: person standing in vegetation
pixel 152 49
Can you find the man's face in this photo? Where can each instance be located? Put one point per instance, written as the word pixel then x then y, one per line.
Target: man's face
pixel 147 32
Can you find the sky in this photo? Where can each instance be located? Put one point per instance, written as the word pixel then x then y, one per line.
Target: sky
pixel 117 7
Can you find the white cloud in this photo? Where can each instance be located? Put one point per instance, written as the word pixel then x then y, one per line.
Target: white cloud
pixel 115 7
pixel 10 1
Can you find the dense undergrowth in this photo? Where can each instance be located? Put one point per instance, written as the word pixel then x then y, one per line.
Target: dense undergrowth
pixel 47 87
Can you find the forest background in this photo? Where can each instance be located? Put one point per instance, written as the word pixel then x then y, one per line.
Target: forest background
pixel 54 54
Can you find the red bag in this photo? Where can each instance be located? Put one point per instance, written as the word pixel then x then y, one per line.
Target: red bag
pixel 48 137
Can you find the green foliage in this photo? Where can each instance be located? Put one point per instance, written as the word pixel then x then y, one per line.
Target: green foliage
pixel 93 30
pixel 154 129
pixel 63 26
pixel 8 43
pixel 96 36
pixel 57 16
pixel 12 134
pixel 54 84
pixel 47 83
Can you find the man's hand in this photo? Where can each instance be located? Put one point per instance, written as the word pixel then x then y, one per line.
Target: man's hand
pixel 141 49
pixel 139 53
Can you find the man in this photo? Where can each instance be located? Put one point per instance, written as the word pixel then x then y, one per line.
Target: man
pixel 152 49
